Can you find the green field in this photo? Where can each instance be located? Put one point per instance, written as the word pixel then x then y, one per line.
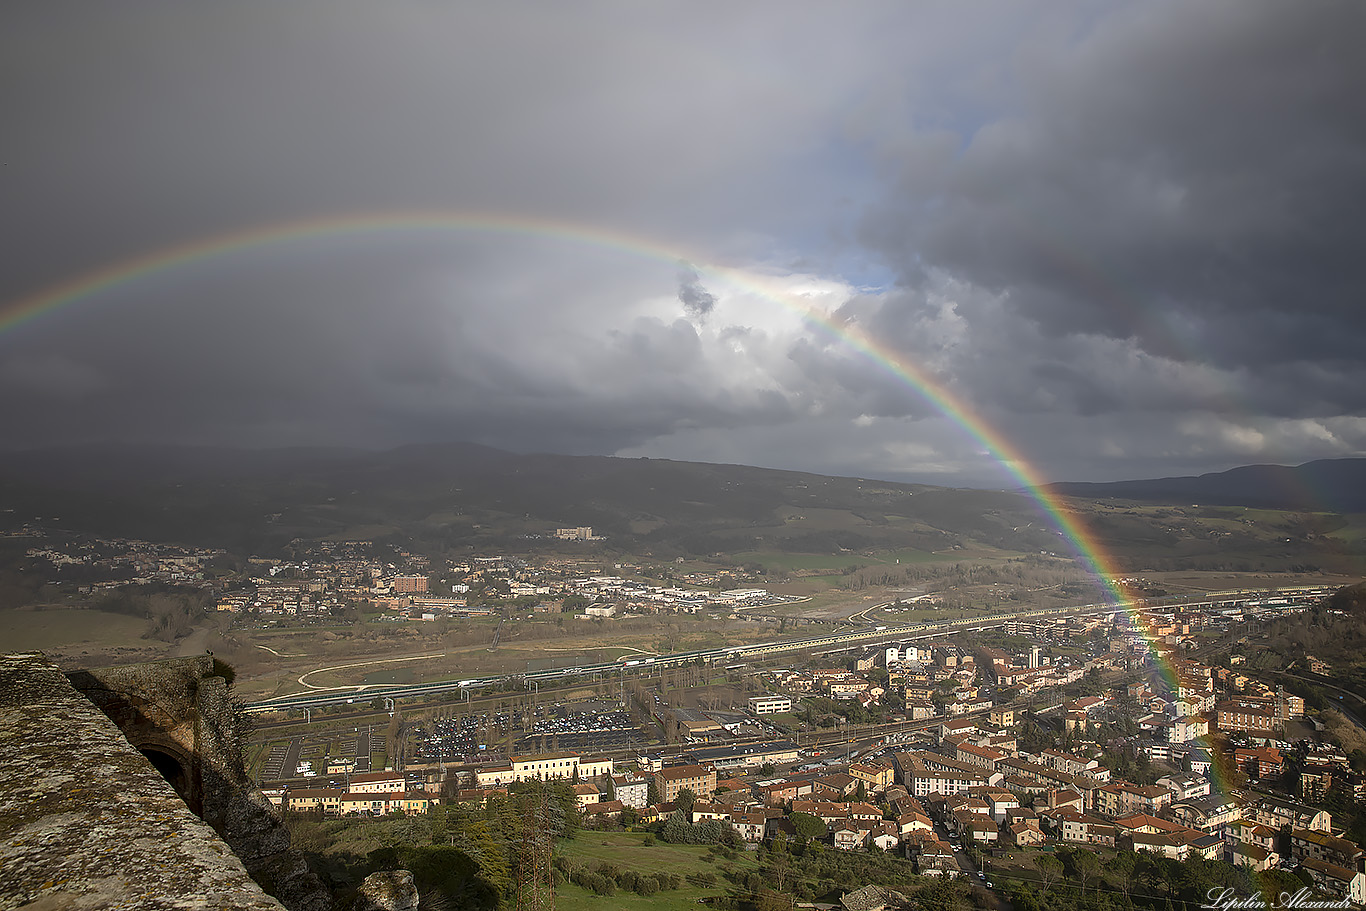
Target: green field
pixel 628 851
pixel 782 561
pixel 1354 531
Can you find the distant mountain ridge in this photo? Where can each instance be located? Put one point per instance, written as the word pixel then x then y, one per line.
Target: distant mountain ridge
pixel 456 494
pixel 452 498
pixel 1326 485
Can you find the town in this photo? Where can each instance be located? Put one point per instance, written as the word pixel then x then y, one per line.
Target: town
pixel 984 748
pixel 965 758
pixel 326 578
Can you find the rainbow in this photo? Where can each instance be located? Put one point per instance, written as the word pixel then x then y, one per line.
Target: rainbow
pixel 1085 545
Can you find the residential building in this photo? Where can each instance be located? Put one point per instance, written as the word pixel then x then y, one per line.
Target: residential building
pixel 377 782
pixel 594 766
pixel 323 800
pixel 1248 716
pixel 1306 843
pixel 1185 787
pixel 1212 813
pixel 377 803
pixel 875 776
pixel 1259 762
pixel 632 792
pixel 586 795
pixel 1337 881
pixel 670 781
pixel 545 766
pixel 1120 798
pixel 1276 812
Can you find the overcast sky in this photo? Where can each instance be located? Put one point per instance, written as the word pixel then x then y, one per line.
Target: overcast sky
pixel 1129 236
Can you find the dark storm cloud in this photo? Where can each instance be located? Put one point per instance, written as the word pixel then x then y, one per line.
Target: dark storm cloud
pixel 697 300
pixel 139 126
pixel 382 366
pixel 1125 234
pixel 1189 176
pixel 148 126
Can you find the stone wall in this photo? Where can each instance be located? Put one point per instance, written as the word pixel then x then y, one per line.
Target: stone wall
pixel 86 822
pixel 179 709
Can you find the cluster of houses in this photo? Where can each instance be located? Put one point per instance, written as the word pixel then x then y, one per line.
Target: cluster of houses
pixel 973 784
pixel 120 561
pixel 964 783
pixel 365 794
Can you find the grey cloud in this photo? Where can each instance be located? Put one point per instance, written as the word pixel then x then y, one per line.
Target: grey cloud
pixel 697 300
pixel 1126 234
pixel 1188 177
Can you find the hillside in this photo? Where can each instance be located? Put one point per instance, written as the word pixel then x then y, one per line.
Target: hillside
pixel 453 497
pixel 463 494
pixel 1331 485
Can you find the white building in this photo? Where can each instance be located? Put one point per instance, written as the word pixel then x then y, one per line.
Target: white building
pixel 896 654
pixel 632 792
pixel 769 705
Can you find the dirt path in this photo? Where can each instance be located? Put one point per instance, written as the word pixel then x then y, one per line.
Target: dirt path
pixel 337 667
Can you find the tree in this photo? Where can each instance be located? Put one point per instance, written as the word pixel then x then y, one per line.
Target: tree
pixel 1085 865
pixel 780 862
pixel 769 900
pixel 1125 864
pixel 684 801
pixel 1049 867
pixel 807 826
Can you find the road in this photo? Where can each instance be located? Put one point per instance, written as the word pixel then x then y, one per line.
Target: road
pixel 761 650
pixel 1349 710
pixel 196 643
pixel 969 868
pixel 349 694
pixel 362 751
pixel 303 679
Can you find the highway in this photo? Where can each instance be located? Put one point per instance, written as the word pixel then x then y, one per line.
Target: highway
pixel 391 692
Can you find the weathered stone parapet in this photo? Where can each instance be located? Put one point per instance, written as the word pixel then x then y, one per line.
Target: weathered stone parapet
pixel 86 822
pixel 178 712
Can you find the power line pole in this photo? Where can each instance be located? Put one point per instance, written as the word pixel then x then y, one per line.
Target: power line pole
pixel 535 878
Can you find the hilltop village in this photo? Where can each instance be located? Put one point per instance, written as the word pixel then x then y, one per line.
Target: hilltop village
pixel 327 579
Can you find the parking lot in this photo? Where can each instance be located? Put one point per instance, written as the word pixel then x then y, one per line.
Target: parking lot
pixel 581 727
pixel 306 756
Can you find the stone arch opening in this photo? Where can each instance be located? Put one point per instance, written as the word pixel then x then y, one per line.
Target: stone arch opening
pixel 170 768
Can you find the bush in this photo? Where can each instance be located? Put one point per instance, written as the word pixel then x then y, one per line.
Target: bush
pixel 647 885
pixel 594 882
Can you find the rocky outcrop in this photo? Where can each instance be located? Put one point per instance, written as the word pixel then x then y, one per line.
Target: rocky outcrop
pixel 389 890
pixel 251 827
pixel 87 821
